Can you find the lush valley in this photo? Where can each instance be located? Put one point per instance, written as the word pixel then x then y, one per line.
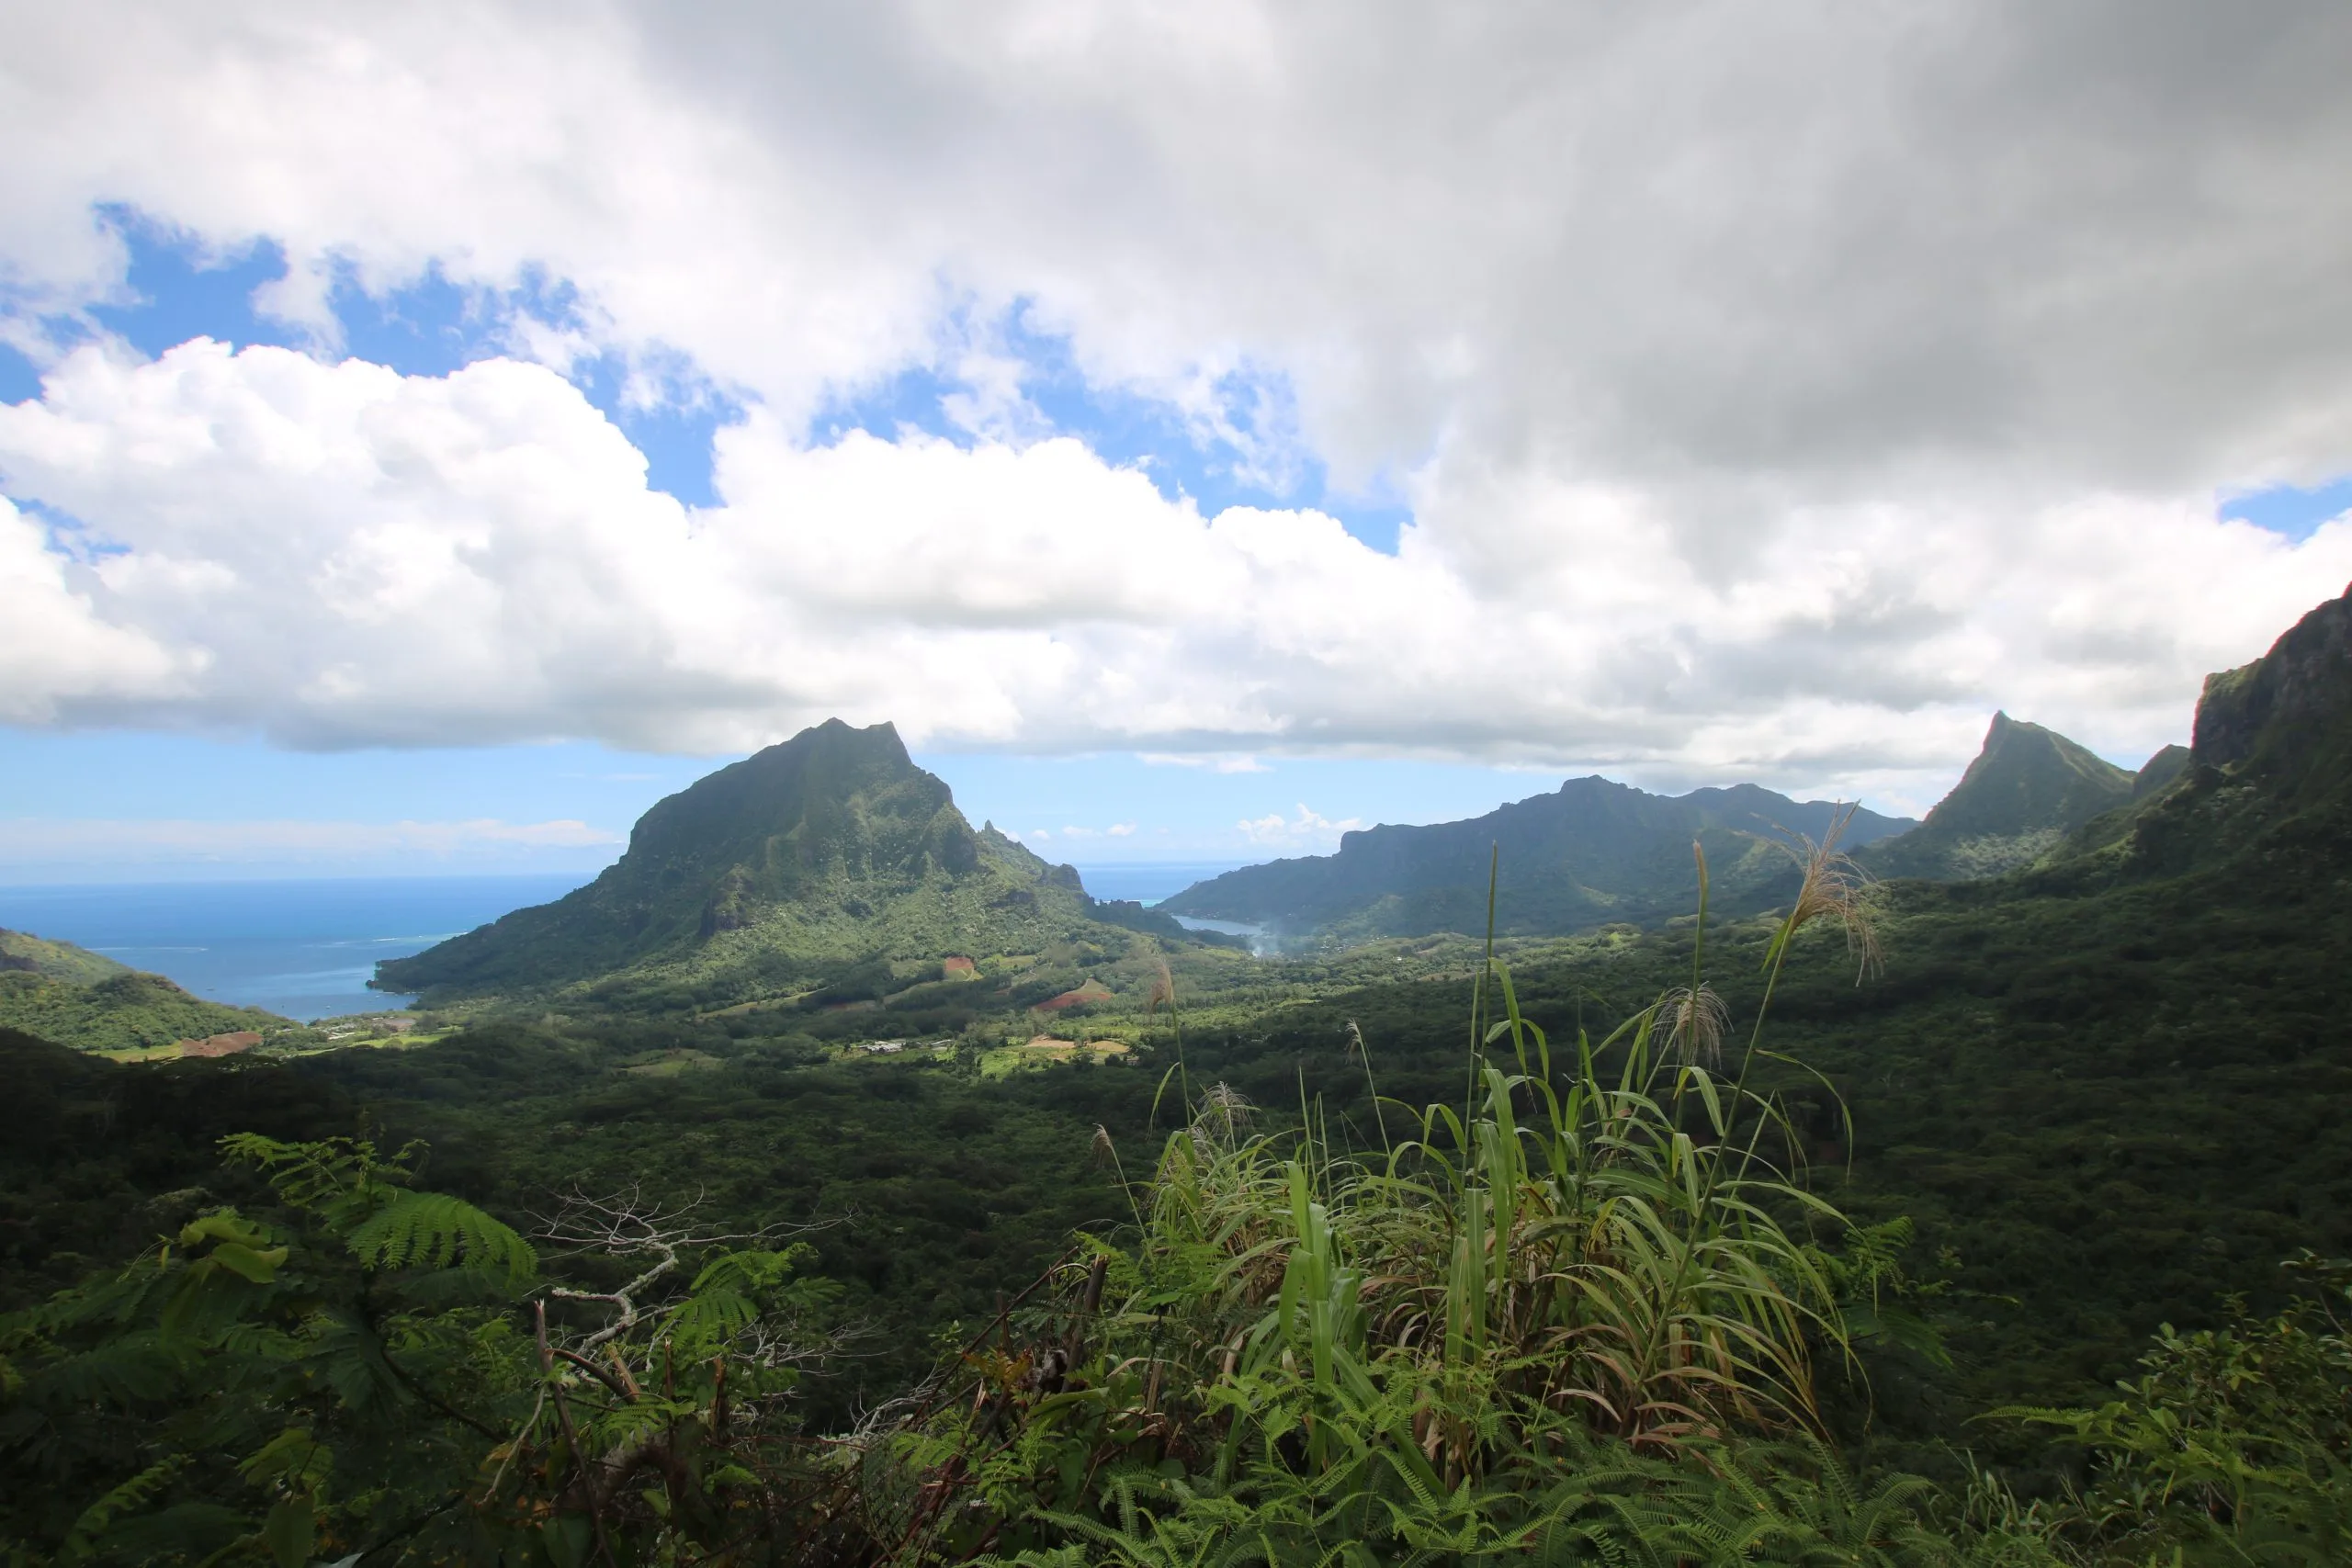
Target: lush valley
pixel 1400 1255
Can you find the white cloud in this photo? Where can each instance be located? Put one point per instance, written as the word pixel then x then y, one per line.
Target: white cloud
pixel 1121 829
pixel 1309 830
pixel 1223 762
pixel 346 556
pixel 1777 389
pixel 1680 247
pixel 56 649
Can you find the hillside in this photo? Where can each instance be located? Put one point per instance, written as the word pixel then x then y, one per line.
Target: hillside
pixel 1591 853
pixel 828 851
pixel 122 1010
pixel 21 953
pixel 2026 790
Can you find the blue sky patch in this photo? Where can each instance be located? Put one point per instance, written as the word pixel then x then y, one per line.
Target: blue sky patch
pixel 176 288
pixel 1242 448
pixel 2284 509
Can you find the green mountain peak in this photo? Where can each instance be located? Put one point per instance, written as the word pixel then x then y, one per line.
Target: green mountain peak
pixel 2026 790
pixel 830 848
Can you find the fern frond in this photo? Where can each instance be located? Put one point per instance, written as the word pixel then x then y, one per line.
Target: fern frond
pixel 433 1230
pixel 134 1493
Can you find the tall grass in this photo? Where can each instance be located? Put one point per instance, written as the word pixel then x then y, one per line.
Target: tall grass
pixel 1596 1260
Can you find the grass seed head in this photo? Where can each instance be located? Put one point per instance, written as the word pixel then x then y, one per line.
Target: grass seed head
pixel 1836 888
pixel 1223 1112
pixel 1695 1020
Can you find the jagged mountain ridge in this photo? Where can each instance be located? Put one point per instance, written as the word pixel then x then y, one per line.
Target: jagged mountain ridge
pixel 1590 852
pixel 828 848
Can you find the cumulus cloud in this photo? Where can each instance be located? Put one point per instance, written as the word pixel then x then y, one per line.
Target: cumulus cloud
pixel 1687 243
pixel 343 555
pixel 1310 830
pixel 56 649
pixel 1775 389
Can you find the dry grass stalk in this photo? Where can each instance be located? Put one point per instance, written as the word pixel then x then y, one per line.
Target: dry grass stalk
pixel 1836 888
pixel 1694 1020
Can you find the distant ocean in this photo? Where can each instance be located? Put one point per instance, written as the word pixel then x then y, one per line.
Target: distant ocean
pixel 303 949
pixel 307 949
pixel 1146 882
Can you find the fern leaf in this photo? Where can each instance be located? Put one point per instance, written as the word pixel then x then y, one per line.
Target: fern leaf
pixel 433 1230
pixel 134 1493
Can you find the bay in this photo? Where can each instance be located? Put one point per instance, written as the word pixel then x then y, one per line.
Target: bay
pixel 1148 882
pixel 304 949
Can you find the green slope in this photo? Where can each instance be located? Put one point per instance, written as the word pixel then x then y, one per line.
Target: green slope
pixel 88 1003
pixel 2026 790
pixel 21 953
pixel 125 1010
pixel 827 851
pixel 1590 852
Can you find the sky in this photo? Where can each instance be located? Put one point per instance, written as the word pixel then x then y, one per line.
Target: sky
pixel 429 434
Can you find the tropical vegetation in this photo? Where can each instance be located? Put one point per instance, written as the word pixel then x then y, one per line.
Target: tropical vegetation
pixel 1976 1222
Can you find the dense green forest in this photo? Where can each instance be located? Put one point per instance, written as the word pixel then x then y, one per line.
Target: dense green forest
pixel 122 1010
pixel 1590 852
pixel 71 996
pixel 1975 1222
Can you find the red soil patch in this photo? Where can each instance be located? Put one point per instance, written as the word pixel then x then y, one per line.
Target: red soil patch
pixel 958 969
pixel 221 1045
pixel 1092 991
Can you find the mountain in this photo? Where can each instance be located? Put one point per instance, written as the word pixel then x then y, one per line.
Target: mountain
pixel 1590 852
pixel 829 849
pixel 2266 781
pixel 2159 770
pixel 2026 790
pixel 2282 718
pixel 86 1001
pixel 21 953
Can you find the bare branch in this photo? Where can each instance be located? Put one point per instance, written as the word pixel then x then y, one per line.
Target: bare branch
pixel 627 1224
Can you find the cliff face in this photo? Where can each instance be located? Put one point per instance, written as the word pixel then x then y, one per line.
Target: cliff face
pixel 2279 712
pixel 2268 775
